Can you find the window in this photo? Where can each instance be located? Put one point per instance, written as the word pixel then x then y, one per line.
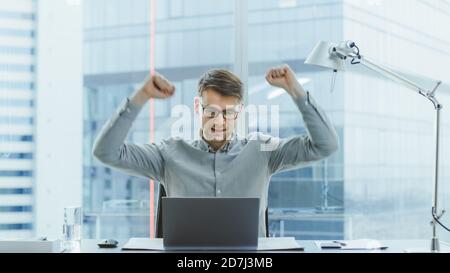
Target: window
pixel 307 203
pixel 377 185
pixel 189 40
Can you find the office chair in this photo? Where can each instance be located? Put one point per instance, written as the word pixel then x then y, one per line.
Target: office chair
pixel 159 221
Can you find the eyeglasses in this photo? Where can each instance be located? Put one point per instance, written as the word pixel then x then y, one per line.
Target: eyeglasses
pixel 228 114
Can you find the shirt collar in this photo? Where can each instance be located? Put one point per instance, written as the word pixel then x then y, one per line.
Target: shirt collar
pixel 225 149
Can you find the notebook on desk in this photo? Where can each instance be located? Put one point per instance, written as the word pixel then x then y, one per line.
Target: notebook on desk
pixel 264 244
pixel 202 223
pixel 361 244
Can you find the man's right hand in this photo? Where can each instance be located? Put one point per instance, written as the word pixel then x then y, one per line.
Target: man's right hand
pixel 155 86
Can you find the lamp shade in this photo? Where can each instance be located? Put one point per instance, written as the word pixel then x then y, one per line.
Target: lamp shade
pixel 321 56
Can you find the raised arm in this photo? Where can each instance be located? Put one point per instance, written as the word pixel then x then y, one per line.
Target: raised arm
pixel 136 159
pixel 322 140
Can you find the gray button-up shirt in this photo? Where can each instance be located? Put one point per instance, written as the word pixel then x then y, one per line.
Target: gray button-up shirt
pixel 243 168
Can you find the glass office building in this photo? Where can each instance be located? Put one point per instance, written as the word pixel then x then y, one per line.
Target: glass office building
pixel 17 87
pixel 379 183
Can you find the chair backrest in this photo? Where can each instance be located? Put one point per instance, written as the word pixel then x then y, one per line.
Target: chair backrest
pixel 159 215
pixel 159 221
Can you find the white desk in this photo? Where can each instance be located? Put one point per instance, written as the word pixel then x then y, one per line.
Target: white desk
pixel 394 246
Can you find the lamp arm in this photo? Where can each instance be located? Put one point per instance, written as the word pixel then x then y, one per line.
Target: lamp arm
pixel 391 74
pixel 386 72
pixel 348 49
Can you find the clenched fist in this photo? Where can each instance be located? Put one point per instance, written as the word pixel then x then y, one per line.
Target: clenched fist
pixel 155 86
pixel 284 77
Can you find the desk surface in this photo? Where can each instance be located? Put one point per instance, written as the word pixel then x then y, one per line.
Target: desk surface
pixel 394 246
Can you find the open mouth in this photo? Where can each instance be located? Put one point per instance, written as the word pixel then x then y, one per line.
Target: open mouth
pixel 214 130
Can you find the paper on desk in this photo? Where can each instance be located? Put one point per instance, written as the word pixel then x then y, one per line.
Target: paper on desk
pixel 264 244
pixel 278 243
pixel 30 246
pixel 361 244
pixel 144 244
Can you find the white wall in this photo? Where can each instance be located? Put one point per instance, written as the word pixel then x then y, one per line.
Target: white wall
pixel 59 113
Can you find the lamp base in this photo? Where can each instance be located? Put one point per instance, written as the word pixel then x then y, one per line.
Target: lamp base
pixel 435 246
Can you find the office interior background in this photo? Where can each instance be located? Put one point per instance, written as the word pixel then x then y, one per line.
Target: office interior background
pixel 66 65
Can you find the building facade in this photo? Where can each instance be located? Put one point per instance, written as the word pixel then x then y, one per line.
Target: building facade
pixel 378 185
pixel 17 112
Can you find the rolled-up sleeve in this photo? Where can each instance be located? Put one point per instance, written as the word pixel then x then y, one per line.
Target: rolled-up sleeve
pixel 320 142
pixel 109 147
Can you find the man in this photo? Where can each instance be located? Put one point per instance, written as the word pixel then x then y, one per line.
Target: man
pixel 220 163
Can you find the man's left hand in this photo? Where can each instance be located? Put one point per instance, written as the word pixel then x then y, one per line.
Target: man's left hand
pixel 284 77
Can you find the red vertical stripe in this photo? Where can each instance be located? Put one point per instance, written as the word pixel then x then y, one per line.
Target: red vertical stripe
pixel 152 110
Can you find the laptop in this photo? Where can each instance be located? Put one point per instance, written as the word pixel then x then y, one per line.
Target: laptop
pixel 210 223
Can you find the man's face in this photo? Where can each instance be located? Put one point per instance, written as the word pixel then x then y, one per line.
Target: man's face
pixel 219 115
